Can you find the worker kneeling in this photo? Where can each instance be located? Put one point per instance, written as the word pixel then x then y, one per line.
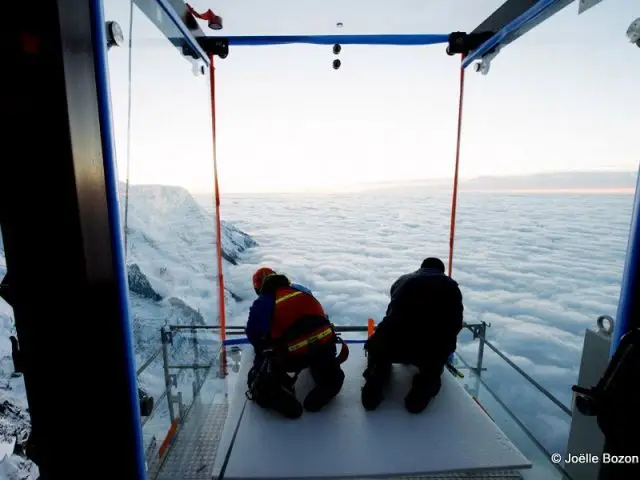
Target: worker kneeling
pixel 420 328
pixel 290 331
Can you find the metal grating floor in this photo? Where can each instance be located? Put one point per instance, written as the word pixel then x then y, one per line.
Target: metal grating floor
pixel 196 444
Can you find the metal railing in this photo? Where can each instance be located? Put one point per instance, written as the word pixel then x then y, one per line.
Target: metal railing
pixel 478 330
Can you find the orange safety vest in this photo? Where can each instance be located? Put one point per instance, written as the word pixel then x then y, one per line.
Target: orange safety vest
pixel 290 306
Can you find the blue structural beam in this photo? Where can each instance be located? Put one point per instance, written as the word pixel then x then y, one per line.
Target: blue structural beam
pixel 364 39
pixel 163 13
pixel 628 314
pixel 513 30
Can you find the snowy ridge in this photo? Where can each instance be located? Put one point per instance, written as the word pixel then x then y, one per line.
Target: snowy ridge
pixel 172 273
pixel 171 261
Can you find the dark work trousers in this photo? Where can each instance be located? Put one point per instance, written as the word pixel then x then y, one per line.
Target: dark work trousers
pixel 275 386
pixel 383 351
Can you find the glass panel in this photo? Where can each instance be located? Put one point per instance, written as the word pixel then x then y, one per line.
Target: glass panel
pixel 542 468
pixel 540 257
pixel 531 414
pixel 162 122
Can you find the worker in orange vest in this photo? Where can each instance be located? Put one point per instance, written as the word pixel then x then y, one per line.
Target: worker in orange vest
pixel 290 332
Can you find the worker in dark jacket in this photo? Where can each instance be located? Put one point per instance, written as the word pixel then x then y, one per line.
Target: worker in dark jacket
pixel 420 328
pixel 290 331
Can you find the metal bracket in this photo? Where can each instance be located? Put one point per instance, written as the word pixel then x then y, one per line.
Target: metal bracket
pixel 479 330
pixel 115 37
pixel 214 46
pixel 484 64
pixel 608 330
pixel 463 43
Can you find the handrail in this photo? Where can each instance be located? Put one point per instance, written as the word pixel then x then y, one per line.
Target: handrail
pixel 188 366
pixel 514 417
pixel 234 328
pixel 476 328
pixel 149 361
pixel 479 330
pixel 542 390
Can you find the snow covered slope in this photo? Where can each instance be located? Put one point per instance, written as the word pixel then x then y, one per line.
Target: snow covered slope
pixel 171 263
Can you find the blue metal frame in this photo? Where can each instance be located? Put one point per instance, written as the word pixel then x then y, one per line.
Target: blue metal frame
pixel 103 91
pixel 177 21
pixel 517 27
pixel 361 39
pixel 627 316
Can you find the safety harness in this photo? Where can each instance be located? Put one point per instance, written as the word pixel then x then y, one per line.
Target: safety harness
pixel 316 336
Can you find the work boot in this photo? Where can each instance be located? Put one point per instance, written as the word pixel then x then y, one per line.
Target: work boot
pixel 422 391
pixel 322 394
pixel 284 401
pixel 376 378
pixel 274 392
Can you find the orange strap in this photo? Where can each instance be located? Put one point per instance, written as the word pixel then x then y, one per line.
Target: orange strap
pixel 221 305
pixel 454 200
pixel 208 15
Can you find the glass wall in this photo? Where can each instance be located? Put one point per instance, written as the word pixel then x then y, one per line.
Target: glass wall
pixel 162 121
pixel 548 173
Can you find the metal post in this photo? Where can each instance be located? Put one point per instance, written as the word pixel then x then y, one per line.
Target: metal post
pixel 180 406
pixel 483 331
pixel 194 388
pixel 196 356
pixel 627 317
pixel 165 335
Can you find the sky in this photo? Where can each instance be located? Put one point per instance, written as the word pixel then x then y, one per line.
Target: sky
pixel 561 98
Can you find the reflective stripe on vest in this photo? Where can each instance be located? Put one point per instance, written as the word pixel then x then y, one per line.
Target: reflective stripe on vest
pixel 310 339
pixel 287 297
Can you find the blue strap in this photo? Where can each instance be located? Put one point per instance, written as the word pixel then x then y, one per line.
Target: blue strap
pixel 245 341
pixel 365 39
